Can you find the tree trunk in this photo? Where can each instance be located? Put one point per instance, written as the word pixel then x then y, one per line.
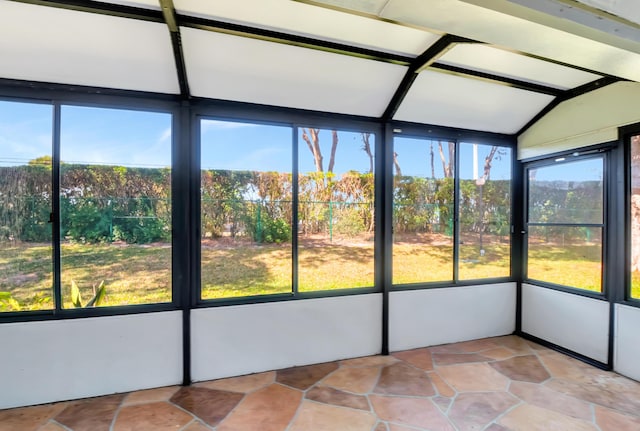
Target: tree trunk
pixel 396 164
pixel 366 146
pixel 447 167
pixel 433 166
pixel 334 146
pixel 314 146
pixel 487 163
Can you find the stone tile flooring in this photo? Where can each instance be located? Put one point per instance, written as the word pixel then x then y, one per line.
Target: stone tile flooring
pixel 494 384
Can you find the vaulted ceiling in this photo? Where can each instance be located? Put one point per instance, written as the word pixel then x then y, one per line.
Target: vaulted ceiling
pixel 490 65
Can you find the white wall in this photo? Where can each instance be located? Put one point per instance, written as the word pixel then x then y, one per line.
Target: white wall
pixel 627 341
pixel 574 322
pixel 42 362
pixel 590 119
pixel 419 318
pixel 243 339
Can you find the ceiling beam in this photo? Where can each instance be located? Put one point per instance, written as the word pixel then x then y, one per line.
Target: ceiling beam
pixel 495 79
pixel 169 15
pixel 109 9
pixel 424 60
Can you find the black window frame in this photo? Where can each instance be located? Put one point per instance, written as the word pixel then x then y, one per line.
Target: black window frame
pixel 603 152
pixel 458 136
pixel 58 96
pixel 626 134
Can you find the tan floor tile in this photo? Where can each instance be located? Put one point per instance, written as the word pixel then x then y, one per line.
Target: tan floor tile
pixel 403 379
pixel 93 414
pixel 523 368
pixel 473 346
pixel 414 412
pixel 473 378
pixel 381 427
pixel 542 396
pixel 516 344
pixel 608 390
pixel 443 388
pixel 498 353
pixel 150 396
pixel 159 416
pixel 52 426
pixel 304 377
pixel 458 358
pixel 336 397
pixel 420 358
pixel 353 379
pixel 268 409
pixel 243 384
pixel 609 420
pixel 396 427
pixel 321 417
pixel 532 418
pixel 210 405
pixel 197 426
pixel 443 403
pixel 369 361
pixel 474 411
pixel 28 418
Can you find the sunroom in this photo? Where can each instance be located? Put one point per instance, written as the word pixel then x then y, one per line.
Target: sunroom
pixel 193 191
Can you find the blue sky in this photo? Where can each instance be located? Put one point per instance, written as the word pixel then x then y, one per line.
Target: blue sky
pixel 580 170
pixel 136 138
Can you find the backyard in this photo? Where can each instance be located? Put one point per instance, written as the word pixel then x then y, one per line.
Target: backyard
pixel 137 274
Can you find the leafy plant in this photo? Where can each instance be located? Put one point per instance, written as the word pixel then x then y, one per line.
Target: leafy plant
pixel 8 303
pixel 99 295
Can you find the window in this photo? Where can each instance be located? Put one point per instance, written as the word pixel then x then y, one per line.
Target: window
pixel 635 216
pixel 566 223
pixel 426 221
pixel 335 209
pixel 267 228
pixel 423 202
pixel 26 268
pixel 246 209
pixel 485 211
pixel 115 206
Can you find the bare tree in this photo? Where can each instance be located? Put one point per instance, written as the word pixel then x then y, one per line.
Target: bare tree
pixel 447 167
pixel 312 138
pixel 366 146
pixel 487 163
pixel 433 168
pixel 396 164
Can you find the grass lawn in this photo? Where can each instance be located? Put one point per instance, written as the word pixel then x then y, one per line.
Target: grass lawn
pixel 136 274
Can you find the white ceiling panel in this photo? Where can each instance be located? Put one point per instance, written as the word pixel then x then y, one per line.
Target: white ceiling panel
pixel 146 4
pixel 627 9
pixel 485 58
pixel 448 100
pixel 70 47
pixel 497 22
pixel 250 70
pixel 303 19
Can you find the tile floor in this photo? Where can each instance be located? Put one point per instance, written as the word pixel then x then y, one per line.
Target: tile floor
pixel 494 384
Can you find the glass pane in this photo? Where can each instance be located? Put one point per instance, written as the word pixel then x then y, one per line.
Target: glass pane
pixel 26 270
pixel 569 256
pixel 246 193
pixel 423 210
pixel 635 217
pixel 336 211
pixel 485 211
pixel 115 206
pixel 567 192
